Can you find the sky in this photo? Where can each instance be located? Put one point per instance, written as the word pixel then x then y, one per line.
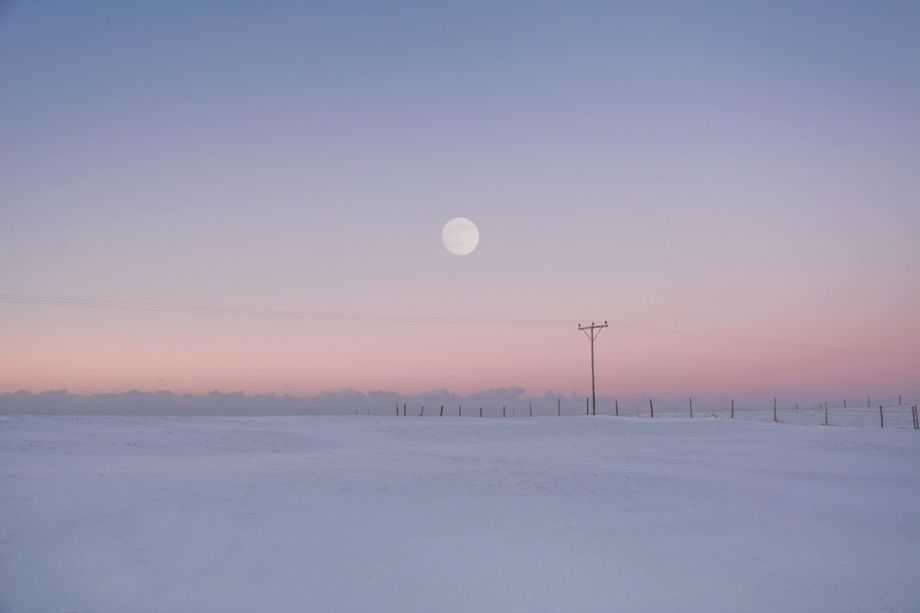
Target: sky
pixel 747 170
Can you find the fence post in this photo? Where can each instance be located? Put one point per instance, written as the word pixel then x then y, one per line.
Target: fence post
pixel 916 422
pixel 422 412
pixel 881 416
pixel 397 409
pixel 733 408
pixel 404 409
pixel 530 404
pixel 442 411
pixel 503 411
pixel 651 408
pixel 586 406
pixel 460 413
pixel 559 407
pixel 480 411
pixel 825 413
pixel 774 409
pixel 691 408
pixel 616 406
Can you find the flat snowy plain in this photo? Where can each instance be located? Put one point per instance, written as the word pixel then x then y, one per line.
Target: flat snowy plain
pixel 364 514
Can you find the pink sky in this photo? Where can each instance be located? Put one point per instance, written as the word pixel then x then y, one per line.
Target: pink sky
pixel 745 171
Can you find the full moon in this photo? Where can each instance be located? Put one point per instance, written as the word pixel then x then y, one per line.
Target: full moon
pixel 460 236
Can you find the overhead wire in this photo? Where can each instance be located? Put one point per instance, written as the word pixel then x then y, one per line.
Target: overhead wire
pixel 326 315
pixel 210 310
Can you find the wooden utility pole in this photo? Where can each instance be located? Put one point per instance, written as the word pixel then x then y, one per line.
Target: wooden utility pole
pixel 592 333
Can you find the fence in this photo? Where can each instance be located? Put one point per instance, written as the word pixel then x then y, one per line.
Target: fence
pixel 882 416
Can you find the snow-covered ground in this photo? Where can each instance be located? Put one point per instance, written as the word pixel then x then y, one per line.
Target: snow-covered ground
pixel 319 513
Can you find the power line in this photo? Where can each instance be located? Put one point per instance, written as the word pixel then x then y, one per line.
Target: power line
pixel 715 338
pixel 324 315
pixel 207 310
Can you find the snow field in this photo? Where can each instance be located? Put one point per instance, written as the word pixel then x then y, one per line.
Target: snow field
pixel 320 513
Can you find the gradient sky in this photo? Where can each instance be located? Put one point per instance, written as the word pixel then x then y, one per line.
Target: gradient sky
pixel 743 169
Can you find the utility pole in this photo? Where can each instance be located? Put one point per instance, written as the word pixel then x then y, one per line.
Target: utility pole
pixel 592 333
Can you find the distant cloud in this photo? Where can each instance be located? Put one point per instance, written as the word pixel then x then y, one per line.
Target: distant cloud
pixel 438 397
pixel 342 402
pixel 502 393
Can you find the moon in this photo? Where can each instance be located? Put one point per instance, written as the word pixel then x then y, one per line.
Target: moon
pixel 460 236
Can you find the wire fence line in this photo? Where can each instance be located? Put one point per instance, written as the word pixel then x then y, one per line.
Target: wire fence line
pixel 886 413
pixel 881 416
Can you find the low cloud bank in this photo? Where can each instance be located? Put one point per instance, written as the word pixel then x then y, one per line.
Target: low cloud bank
pixel 342 402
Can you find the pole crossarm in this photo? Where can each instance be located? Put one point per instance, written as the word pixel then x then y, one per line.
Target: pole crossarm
pixel 592 333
